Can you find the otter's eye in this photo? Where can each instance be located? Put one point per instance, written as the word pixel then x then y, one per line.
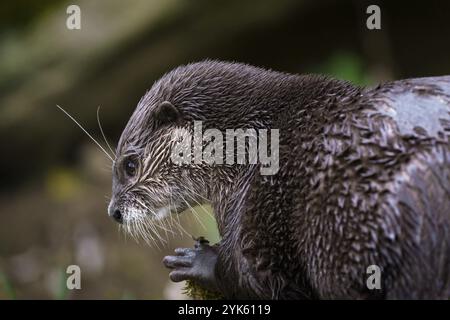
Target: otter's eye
pixel 130 166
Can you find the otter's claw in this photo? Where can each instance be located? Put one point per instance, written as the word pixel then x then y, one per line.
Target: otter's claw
pixel 196 264
pixel 199 241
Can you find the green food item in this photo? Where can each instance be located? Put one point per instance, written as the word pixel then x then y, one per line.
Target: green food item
pixel 197 292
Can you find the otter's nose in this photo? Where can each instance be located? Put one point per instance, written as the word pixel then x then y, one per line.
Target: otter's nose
pixel 117 215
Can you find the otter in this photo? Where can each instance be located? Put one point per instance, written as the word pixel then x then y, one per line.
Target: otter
pixel 363 181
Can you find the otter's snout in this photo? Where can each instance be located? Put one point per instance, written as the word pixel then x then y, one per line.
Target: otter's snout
pixel 115 213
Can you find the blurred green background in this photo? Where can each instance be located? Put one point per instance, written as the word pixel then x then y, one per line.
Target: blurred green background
pixel 54 183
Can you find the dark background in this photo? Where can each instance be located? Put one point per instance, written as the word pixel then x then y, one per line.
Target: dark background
pixel 54 182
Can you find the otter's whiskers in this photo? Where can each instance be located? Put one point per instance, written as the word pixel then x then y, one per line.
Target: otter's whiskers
pixel 112 158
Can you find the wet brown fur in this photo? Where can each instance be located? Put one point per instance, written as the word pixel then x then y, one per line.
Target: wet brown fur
pixel 354 188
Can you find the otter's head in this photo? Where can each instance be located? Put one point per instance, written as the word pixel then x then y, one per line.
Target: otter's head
pixel 147 184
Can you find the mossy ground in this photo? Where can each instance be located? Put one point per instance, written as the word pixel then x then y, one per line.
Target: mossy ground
pixel 196 292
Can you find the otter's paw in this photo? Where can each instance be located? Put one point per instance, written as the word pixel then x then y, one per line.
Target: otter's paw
pixel 197 264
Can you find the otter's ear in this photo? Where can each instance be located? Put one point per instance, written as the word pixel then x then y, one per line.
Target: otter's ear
pixel 166 113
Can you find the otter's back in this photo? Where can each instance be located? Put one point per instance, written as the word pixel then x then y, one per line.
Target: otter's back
pixel 419 195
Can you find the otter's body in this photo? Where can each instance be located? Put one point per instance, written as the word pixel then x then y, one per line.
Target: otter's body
pixel 352 191
pixel 364 180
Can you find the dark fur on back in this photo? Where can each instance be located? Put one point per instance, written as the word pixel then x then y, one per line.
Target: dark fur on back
pixel 362 180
